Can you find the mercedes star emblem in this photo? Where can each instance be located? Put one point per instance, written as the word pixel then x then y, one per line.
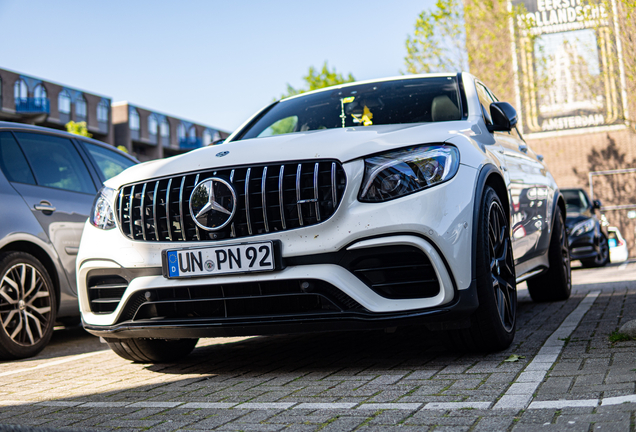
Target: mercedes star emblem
pixel 212 204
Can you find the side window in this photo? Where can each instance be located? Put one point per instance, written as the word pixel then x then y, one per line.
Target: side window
pixel 12 161
pixel 108 162
pixel 485 99
pixel 56 163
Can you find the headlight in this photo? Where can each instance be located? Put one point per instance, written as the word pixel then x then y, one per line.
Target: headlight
pixel 102 215
pixel 583 227
pixel 398 173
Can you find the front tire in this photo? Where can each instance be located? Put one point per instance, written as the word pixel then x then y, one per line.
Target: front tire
pixel 556 283
pixel 152 350
pixel 28 306
pixel 492 326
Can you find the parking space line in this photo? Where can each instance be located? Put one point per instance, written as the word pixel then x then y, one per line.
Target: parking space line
pixel 520 393
pixel 445 406
pixel 54 363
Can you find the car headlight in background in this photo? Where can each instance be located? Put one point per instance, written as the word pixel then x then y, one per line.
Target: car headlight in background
pixel 398 173
pixel 102 215
pixel 583 227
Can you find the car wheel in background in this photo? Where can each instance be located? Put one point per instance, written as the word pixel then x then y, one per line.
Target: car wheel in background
pixel 28 306
pixel 492 326
pixel 602 258
pixel 556 283
pixel 152 350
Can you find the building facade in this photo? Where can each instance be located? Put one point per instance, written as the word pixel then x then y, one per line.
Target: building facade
pixel 144 133
pixel 151 135
pixel 568 68
pixel 26 99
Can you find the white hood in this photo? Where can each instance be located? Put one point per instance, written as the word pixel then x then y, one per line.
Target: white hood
pixel 340 144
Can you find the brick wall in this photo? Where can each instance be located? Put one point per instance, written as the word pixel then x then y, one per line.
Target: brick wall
pixel 571 158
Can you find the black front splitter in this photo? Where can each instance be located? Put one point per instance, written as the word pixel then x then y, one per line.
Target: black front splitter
pixel 449 316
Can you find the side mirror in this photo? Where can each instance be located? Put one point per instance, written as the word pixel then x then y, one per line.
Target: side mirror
pixel 504 117
pixel 596 204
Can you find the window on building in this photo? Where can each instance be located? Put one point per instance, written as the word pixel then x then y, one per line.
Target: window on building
pixel 181 132
pixel 0 92
pixel 152 124
pixel 40 92
pixel 20 90
pixel 192 134
pixel 207 137
pixel 102 111
pixel 80 107
pixel 164 128
pixel 133 119
pixel 64 102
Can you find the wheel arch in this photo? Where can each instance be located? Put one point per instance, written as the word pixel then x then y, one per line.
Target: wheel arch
pixel 489 175
pixel 42 256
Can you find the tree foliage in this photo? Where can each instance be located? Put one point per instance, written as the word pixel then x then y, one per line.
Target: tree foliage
pixel 438 43
pixel 315 80
pixel 78 129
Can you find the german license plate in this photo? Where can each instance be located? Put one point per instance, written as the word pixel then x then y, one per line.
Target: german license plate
pixel 218 260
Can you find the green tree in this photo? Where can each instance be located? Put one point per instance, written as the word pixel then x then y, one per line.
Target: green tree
pixel 439 40
pixel 78 129
pixel 315 80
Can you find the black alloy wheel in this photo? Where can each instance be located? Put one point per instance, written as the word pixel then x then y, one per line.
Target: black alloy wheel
pixel 602 258
pixel 492 326
pixel 502 266
pixel 27 306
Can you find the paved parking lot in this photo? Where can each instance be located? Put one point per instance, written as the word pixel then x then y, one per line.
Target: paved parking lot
pixel 568 377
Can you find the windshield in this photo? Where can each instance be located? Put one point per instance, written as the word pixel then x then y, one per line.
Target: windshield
pixel 414 100
pixel 575 201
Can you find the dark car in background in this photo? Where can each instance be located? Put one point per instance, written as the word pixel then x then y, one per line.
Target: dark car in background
pixel 587 235
pixel 48 182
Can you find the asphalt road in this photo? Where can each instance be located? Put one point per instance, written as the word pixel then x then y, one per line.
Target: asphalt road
pixel 568 376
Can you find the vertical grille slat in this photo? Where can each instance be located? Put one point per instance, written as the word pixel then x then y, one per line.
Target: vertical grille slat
pixel 270 198
pixel 142 210
pixel 232 230
pixel 334 192
pixel 196 227
pixel 168 221
pixel 264 198
pixel 317 203
pixel 181 218
pixel 247 201
pixel 130 212
pixel 281 198
pixel 298 204
pixel 155 222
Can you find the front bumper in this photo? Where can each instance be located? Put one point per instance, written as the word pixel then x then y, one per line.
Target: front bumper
pixel 584 246
pixel 434 222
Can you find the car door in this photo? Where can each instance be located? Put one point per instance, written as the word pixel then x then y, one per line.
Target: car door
pixel 62 195
pixel 528 187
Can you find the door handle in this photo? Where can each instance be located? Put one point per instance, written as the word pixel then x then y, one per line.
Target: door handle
pixel 45 207
pixel 523 148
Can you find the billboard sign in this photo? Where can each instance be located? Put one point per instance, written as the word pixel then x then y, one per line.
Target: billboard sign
pixel 569 74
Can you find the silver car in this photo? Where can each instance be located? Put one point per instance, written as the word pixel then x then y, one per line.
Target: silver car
pixel 48 181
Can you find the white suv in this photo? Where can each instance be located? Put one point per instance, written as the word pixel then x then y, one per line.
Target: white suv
pixel 367 205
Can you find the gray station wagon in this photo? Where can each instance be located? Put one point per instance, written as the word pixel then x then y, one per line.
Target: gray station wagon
pixel 48 181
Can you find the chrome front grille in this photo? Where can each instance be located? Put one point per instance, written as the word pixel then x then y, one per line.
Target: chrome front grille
pixel 270 198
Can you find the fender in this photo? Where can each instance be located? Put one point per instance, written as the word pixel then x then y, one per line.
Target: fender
pixel 485 172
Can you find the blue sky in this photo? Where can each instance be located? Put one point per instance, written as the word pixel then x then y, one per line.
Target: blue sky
pixel 213 62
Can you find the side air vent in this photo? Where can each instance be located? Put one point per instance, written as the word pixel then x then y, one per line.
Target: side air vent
pixel 105 292
pixel 395 272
